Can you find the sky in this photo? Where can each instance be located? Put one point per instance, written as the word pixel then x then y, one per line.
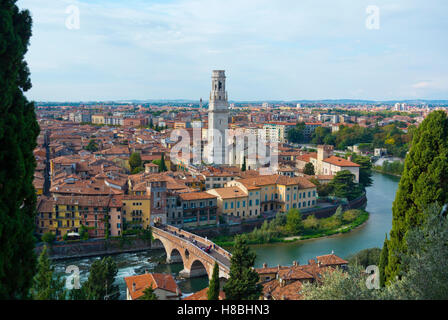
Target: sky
pixel 270 50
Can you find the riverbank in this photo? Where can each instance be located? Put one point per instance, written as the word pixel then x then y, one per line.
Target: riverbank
pixel 308 234
pixel 384 172
pixel 93 248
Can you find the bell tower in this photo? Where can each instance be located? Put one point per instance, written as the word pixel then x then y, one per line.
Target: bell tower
pixel 218 117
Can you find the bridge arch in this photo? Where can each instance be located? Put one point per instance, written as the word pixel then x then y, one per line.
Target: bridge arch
pixel 198 269
pixel 188 248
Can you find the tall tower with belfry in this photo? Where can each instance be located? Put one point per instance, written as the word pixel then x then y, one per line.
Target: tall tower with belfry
pixel 218 118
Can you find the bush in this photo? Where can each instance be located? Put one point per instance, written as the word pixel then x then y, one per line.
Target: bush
pixel 311 222
pixel 48 237
pixel 366 257
pixel 350 215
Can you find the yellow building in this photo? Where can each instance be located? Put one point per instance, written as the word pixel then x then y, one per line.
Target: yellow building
pixel 98 119
pixel 66 214
pixel 136 212
pixel 279 193
pixel 237 202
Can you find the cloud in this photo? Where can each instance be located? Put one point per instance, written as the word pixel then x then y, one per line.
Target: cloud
pixel 283 49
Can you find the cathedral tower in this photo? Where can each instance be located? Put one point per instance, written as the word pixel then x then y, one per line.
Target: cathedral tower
pixel 218 117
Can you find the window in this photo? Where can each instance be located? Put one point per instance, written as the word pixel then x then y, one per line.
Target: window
pixel 225 205
pixel 244 203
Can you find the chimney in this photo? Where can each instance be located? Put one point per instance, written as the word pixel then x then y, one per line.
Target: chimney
pixel 278 267
pixel 294 263
pixel 177 291
pixel 265 265
pixel 133 287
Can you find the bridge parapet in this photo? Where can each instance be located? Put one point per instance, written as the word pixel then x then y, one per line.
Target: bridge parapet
pixel 205 241
pixel 188 245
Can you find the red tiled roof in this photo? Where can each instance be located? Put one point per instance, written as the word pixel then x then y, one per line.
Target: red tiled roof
pixel 340 162
pixel 202 295
pixel 156 280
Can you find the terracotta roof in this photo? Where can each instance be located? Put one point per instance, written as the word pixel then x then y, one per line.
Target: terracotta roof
pixel 306 157
pixel 196 196
pixel 340 162
pixel 286 292
pixel 330 260
pixel 202 295
pixel 294 273
pixel 230 192
pixel 156 280
pixel 277 179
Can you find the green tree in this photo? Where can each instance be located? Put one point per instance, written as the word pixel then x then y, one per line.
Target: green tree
pixel 339 285
pixel 365 171
pixel 296 135
pixel 243 281
pixel 426 259
pixel 424 181
pixel 100 284
pixel 383 262
pixel 148 294
pixel 18 132
pixel 366 257
pixel 48 237
pixel 162 166
pixel 213 287
pixel 46 286
pixel 338 215
pixel 243 167
pixel 309 169
pixel 135 161
pixel 343 185
pixel 294 223
pixel 92 146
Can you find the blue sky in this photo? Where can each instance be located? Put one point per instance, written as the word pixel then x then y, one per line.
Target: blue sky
pixel 282 49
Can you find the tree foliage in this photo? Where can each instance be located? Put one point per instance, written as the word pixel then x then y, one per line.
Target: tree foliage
pixel 148 294
pixel 213 287
pixel 309 169
pixel 47 286
pixel 365 171
pixel 424 181
pixel 344 186
pixel 100 284
pixel 366 257
pixel 18 133
pixel 135 161
pixel 243 281
pixel 294 223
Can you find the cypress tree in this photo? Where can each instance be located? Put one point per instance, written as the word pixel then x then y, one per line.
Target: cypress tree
pixel 243 167
pixel 213 287
pixel 383 263
pixel 162 166
pixel 243 281
pixel 45 285
pixel 18 133
pixel 424 181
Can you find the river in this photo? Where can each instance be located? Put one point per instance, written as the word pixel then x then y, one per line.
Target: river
pixel 379 203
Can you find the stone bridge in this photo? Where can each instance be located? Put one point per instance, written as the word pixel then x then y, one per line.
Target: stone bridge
pixel 188 248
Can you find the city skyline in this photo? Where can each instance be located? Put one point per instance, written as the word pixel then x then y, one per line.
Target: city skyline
pixel 273 51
